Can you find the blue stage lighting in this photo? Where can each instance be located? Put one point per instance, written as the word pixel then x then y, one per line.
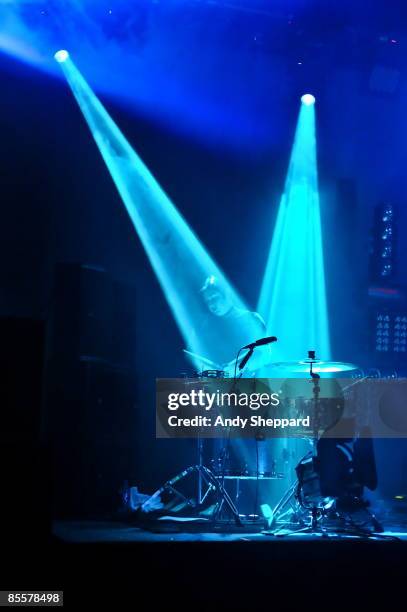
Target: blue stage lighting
pixel 194 286
pixel 61 56
pixel 308 99
pixel 293 296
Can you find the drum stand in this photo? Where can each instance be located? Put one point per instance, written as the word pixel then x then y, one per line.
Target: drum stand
pixel 292 496
pixel 291 500
pixel 345 524
pixel 213 484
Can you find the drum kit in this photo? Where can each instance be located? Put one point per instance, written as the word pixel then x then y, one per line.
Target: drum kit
pixel 303 503
pixel 310 368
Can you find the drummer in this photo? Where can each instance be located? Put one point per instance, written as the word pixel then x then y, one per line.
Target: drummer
pixel 236 329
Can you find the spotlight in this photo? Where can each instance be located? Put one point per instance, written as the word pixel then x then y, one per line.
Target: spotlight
pixel 170 243
pixel 179 260
pixel 295 273
pixel 295 269
pixel 308 99
pixel 61 56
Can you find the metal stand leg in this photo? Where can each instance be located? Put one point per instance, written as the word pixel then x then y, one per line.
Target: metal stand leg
pixel 200 463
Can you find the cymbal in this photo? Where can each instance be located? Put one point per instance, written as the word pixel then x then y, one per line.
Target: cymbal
pixel 202 361
pixel 329 367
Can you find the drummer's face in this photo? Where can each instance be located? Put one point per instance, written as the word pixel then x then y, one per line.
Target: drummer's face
pixel 217 302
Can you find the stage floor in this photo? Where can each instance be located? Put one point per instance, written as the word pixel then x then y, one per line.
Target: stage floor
pixel 99 531
pixel 101 563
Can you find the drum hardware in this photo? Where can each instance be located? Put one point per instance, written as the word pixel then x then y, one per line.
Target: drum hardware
pixel 207 477
pixel 208 482
pixel 250 476
pixel 303 508
pixel 315 390
pixel 258 436
pixel 304 503
pixel 307 483
pixel 287 368
pixel 212 374
pixel 214 485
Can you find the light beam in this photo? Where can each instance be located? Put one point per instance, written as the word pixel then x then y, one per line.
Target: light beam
pixel 178 258
pixel 293 295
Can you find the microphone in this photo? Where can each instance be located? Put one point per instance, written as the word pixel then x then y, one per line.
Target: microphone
pixel 260 342
pixel 252 346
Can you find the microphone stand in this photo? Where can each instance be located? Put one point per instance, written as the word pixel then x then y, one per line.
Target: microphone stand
pixel 242 365
pixel 246 358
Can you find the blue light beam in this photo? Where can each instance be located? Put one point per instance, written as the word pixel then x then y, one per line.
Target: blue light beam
pixel 178 258
pixel 293 294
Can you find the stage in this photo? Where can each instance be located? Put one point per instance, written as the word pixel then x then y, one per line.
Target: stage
pixel 88 532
